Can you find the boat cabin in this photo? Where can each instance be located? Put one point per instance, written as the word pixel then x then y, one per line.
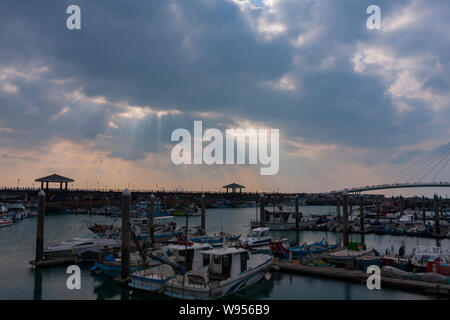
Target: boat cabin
pixel 226 263
pixel 258 236
pixel 427 252
pixel 189 256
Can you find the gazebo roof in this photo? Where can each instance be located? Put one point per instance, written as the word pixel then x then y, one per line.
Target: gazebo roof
pixel 54 178
pixel 233 185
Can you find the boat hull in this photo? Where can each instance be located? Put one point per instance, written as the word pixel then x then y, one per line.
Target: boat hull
pixel 280 226
pixel 219 289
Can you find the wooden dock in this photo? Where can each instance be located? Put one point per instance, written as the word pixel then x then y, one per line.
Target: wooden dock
pixel 360 276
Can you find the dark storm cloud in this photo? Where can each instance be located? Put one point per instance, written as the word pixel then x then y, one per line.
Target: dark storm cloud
pixel 208 56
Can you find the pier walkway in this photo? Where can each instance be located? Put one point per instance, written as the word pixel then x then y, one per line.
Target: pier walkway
pixel 360 276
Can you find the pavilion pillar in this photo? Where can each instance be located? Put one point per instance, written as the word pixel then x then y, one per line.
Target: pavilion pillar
pixel 60 186
pixel 66 186
pixel 46 185
pixel 42 185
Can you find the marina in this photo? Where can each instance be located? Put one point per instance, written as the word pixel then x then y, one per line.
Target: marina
pixel 299 256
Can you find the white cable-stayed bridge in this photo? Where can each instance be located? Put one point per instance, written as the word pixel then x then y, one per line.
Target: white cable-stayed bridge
pixel 430 171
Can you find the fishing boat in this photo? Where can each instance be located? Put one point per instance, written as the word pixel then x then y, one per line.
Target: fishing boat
pixel 257 237
pixel 230 270
pixel 280 220
pixel 368 260
pixel 111 266
pixel 215 240
pixel 17 210
pixel 345 256
pixel 164 227
pixel 181 258
pixel 4 221
pixel 77 246
pixel 300 251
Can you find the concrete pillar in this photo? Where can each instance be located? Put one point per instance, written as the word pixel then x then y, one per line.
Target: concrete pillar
pixel 262 213
pixel 40 227
pixel 338 209
pixel 203 224
pixel 125 259
pixel 437 227
pixel 361 213
pixel 297 218
pixel 151 221
pixel 345 219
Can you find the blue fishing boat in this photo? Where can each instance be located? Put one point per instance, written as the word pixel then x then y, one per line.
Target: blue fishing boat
pixel 300 251
pixel 314 248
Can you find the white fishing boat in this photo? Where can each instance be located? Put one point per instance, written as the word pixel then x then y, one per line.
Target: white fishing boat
pixel 257 237
pixel 422 253
pixel 77 246
pixel 229 270
pixel 280 220
pixel 181 259
pixel 17 210
pixel 4 220
pixel 164 227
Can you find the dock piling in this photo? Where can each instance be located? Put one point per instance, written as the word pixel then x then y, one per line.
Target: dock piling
pixel 125 259
pixel 402 205
pixel 338 210
pixel 203 224
pixel 437 227
pixel 423 209
pixel 361 213
pixel 262 214
pixel 151 220
pixel 40 227
pixel 345 218
pixel 297 222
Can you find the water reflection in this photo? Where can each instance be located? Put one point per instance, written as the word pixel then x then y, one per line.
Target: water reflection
pixel 107 289
pixel 37 293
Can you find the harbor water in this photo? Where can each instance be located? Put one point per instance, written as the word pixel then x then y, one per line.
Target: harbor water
pixel 19 281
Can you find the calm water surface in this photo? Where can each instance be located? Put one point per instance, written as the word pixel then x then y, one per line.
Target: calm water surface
pixel 19 281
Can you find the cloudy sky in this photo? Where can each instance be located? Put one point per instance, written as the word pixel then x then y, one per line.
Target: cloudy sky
pixel 353 106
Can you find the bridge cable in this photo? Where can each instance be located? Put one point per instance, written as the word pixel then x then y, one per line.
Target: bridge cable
pixel 419 163
pixel 435 164
pixel 428 162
